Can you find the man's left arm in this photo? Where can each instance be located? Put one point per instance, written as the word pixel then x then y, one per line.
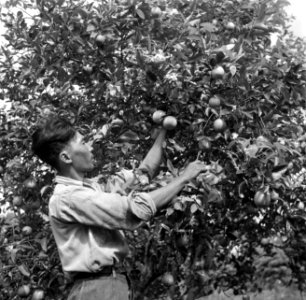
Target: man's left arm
pixel 125 179
pixel 153 159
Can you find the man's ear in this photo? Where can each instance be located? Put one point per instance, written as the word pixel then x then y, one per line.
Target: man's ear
pixel 64 157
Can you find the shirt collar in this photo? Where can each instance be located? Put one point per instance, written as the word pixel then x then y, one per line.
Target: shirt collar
pixel 69 181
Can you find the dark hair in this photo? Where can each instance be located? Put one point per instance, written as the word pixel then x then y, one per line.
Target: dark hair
pixel 50 138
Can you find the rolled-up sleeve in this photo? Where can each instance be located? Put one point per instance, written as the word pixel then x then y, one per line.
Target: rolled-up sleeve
pixel 109 210
pixel 143 206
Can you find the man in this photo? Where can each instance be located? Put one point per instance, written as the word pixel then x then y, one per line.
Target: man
pixel 87 219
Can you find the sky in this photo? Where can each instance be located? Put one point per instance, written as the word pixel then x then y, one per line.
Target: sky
pixel 298 9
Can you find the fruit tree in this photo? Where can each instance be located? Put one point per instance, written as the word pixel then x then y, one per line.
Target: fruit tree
pixel 231 96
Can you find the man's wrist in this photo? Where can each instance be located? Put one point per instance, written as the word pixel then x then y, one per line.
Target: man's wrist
pixel 182 179
pixel 161 136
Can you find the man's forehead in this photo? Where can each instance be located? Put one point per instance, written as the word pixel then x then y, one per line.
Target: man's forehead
pixel 78 136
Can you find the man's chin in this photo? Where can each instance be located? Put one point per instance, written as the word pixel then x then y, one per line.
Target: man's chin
pixel 91 168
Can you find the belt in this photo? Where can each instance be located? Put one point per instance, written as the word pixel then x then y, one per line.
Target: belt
pixel 106 271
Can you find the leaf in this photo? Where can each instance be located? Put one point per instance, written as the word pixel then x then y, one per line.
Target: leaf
pixel 178 206
pixel 90 28
pixel 248 115
pixel 170 211
pixel 24 270
pixel 60 2
pixel 140 59
pixel 278 174
pixel 171 167
pixel 214 196
pixel 43 244
pixel 7 54
pixel 209 178
pixel 45 189
pixel 251 151
pixel 233 70
pixel 243 82
pixel 209 27
pixel 193 208
pixel 140 14
pixel 129 136
pixel 194 22
pixel 13 254
pixel 261 12
pixel 102 132
pixel 176 146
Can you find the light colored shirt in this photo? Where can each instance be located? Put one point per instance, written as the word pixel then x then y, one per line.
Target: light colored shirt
pixel 87 220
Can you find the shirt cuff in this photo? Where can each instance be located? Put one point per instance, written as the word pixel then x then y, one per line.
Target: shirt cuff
pixel 143 206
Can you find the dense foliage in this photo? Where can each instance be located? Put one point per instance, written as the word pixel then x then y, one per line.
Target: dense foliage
pixel 107 66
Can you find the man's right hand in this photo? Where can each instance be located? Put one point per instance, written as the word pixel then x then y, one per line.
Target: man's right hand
pixel 194 169
pixel 162 196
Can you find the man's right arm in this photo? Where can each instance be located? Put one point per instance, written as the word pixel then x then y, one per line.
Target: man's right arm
pixel 115 211
pixel 165 194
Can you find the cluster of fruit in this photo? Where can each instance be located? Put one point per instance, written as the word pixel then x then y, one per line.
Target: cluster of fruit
pixel 262 197
pixel 25 290
pixel 168 122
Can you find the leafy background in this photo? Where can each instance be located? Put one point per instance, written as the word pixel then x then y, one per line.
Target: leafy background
pixel 107 67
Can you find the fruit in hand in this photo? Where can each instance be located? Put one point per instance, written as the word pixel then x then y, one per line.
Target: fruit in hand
pixel 217 73
pixel 169 122
pixel 214 101
pixel 219 124
pixel 23 291
pixel 158 116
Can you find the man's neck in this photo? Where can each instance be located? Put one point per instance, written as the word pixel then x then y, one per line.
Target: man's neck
pixel 71 173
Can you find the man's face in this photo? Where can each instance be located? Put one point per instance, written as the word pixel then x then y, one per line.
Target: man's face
pixel 80 153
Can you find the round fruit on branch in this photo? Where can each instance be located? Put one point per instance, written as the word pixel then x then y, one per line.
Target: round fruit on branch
pixel 262 198
pixel 158 116
pixel 217 73
pixel 219 125
pixel 214 101
pixel 87 69
pixel 230 25
pixel 156 11
pixel 301 205
pixel 170 123
pixel 168 279
pixel 17 201
pixel 38 295
pixel 30 183
pixel 23 291
pixel 204 144
pixel 27 230
pixel 100 40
